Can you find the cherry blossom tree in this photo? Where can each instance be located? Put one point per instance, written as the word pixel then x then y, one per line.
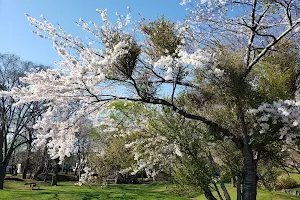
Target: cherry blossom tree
pixel 220 45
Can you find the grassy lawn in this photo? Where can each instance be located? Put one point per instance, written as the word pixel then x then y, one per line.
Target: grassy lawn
pixel 265 194
pixel 262 195
pixel 68 191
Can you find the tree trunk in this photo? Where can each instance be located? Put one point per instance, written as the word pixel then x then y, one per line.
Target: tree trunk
pixel 43 164
pixel 116 177
pixel 142 175
pixel 170 172
pixel 2 170
pixel 217 190
pixel 208 194
pixel 25 170
pixel 238 187
pixel 39 170
pixel 233 181
pixel 46 170
pixel 26 164
pixel 249 169
pixel 2 176
pixel 218 174
pixel 55 172
pixel 4 163
pixel 249 174
pixel 12 165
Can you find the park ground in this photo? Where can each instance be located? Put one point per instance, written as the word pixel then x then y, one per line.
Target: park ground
pixel 17 190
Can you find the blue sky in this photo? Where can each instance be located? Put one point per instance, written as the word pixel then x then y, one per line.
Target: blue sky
pixel 16 36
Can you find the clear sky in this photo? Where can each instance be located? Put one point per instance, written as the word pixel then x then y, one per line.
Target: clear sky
pixel 15 32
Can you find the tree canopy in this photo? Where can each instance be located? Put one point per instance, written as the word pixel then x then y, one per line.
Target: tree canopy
pixel 218 67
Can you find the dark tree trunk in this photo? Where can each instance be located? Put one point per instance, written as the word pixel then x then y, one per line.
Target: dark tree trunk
pixel 217 190
pixel 249 174
pixel 233 181
pixel 12 172
pixel 25 170
pixel 2 176
pixel 46 170
pixel 75 170
pixel 39 170
pixel 249 169
pixel 238 187
pixel 2 167
pixel 142 176
pixel 1 182
pixel 26 163
pixel 208 194
pixel 44 163
pixel 4 163
pixel 55 172
pixel 170 172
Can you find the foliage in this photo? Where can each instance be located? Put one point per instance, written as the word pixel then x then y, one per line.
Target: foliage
pixel 161 37
pixel 287 182
pixel 228 158
pixel 268 175
pixel 114 158
pixel 276 73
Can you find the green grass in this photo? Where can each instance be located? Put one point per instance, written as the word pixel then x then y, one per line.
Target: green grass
pixel 296 177
pixel 68 191
pixel 261 195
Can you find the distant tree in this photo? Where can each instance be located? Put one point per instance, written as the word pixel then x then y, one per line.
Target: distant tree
pixel 15 121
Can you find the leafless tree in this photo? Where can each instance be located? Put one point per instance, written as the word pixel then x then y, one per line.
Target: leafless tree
pixel 15 121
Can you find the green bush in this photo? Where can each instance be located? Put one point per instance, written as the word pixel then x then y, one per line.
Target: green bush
pixel 268 176
pixel 226 177
pixel 283 182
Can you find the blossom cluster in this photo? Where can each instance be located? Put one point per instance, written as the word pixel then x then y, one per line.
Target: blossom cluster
pixel 281 115
pixel 85 177
pixel 152 154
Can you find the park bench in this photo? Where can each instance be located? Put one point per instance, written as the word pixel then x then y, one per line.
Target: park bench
pixel 111 180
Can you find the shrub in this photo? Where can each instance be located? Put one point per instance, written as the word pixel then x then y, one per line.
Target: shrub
pixel 226 176
pixel 268 176
pixel 285 182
